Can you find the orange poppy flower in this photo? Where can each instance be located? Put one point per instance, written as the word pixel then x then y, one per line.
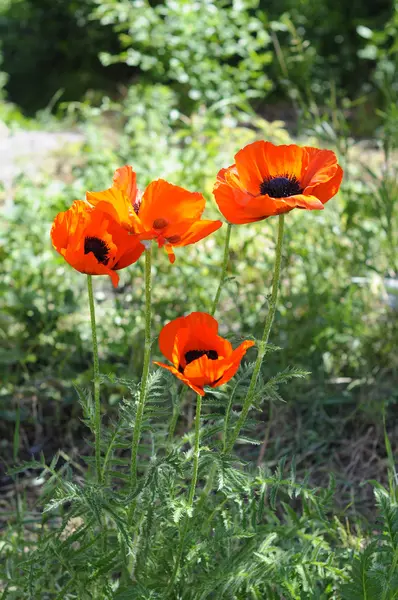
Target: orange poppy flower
pixel 269 180
pixel 94 243
pixel 199 355
pixel 165 212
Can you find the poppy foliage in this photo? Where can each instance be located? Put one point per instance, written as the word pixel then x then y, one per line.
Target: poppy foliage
pixel 199 356
pixel 268 180
pixel 92 242
pixel 167 213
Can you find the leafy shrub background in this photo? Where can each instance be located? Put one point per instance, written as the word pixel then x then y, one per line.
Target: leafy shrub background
pixel 238 50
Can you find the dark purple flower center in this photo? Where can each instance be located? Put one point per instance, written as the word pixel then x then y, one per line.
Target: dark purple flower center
pixel 281 187
pixel 136 206
pixel 98 247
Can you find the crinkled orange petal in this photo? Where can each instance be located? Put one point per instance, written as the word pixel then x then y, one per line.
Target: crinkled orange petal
pixel 319 166
pixel 163 202
pixel 131 253
pixel 167 337
pixel 198 231
pixel 304 201
pixel 284 160
pixel 170 253
pixel 236 359
pixel 114 278
pixel 180 376
pixel 204 371
pixel 164 231
pixel 70 223
pixel 197 319
pixel 113 202
pixel 326 191
pixel 125 179
pixel 180 341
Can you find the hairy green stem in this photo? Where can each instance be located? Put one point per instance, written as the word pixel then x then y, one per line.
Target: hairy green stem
pixel 227 416
pixel 264 340
pixel 223 270
pixel 176 414
pixel 97 405
pixel 174 419
pixel 196 453
pixel 145 370
pixel 15 458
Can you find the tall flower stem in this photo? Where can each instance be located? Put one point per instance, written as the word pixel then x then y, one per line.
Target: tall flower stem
pixel 192 488
pixel 223 270
pixel 196 452
pixel 15 459
pixel 264 340
pixel 97 405
pixel 176 413
pixel 145 370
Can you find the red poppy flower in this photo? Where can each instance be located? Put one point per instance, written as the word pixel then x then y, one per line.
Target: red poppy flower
pixel 199 355
pixel 94 243
pixel 269 180
pixel 165 212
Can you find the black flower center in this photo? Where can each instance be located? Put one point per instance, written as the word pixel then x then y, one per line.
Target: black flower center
pixel 281 187
pixel 192 355
pixel 98 247
pixel 136 206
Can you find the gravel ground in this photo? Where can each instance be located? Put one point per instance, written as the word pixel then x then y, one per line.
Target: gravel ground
pixel 26 151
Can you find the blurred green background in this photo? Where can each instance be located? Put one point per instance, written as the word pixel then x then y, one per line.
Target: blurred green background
pixel 175 88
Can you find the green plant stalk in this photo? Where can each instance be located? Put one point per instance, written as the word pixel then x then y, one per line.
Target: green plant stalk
pixel 223 270
pixel 392 473
pixel 392 570
pixel 196 451
pixel 226 422
pixel 15 452
pixel 145 370
pixel 227 417
pixel 15 448
pixel 97 404
pixel 264 340
pixel 194 480
pixel 176 414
